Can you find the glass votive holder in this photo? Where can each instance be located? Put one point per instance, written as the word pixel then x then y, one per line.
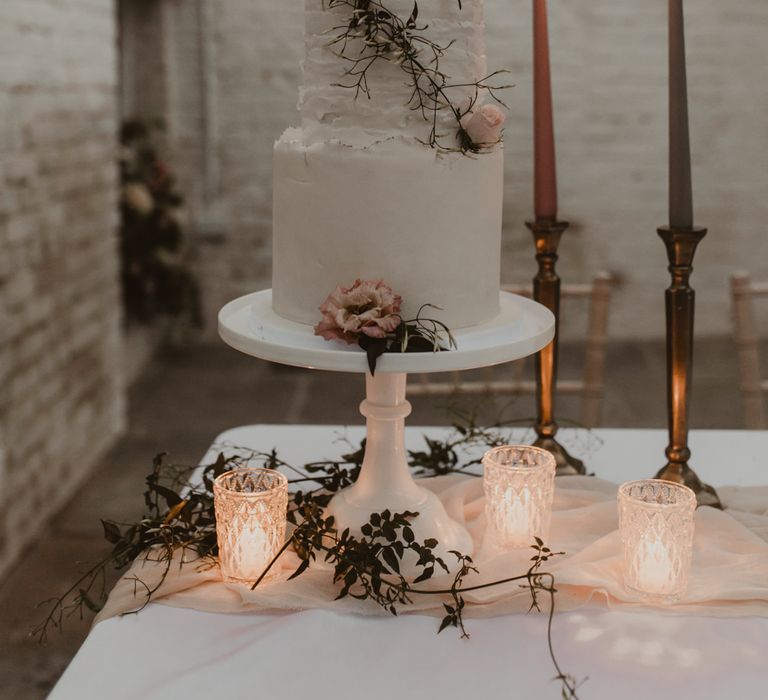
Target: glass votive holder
pixel 519 483
pixel 656 520
pixel 250 505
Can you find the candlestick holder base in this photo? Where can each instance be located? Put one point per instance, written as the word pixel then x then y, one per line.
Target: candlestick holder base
pixel 681 473
pixel 566 463
pixel 680 303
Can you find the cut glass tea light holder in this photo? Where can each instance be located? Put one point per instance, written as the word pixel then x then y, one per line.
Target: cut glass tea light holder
pixel 251 505
pixel 519 483
pixel 656 522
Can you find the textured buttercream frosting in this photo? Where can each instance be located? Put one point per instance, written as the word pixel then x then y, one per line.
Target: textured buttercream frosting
pixel 357 194
pixel 330 112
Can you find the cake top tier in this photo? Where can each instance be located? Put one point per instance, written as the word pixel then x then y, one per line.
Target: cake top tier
pixel 380 100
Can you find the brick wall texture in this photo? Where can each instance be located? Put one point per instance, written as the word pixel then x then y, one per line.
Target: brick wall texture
pixel 60 366
pixel 609 76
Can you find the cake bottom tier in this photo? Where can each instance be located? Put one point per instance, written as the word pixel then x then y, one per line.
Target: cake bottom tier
pixel 428 224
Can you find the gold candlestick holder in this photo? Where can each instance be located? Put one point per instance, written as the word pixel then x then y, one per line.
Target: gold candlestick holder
pixel 546 290
pixel 680 302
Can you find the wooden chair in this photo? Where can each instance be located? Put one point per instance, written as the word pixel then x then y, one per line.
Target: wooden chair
pixel 743 293
pixel 589 387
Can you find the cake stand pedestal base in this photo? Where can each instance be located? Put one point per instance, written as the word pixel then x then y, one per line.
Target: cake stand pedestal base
pixel 521 328
pixel 385 480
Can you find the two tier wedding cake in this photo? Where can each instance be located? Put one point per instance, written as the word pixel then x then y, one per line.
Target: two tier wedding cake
pixel 396 169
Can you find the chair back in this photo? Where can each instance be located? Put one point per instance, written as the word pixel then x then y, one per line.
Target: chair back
pixel 753 387
pixel 589 387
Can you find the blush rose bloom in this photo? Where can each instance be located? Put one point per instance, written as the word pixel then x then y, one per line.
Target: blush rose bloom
pixel 484 125
pixel 369 307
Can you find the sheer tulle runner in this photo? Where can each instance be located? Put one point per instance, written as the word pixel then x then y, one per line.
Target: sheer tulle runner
pixel 729 575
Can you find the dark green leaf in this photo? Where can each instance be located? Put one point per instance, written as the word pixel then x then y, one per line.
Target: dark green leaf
pixel 88 602
pixel 391 559
pixel 448 621
pixel 350 577
pixel 424 575
pixel 111 531
pixel 374 349
pixel 300 569
pixel 171 497
pixel 411 23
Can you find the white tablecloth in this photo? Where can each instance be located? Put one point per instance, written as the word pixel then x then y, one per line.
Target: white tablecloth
pixel 180 653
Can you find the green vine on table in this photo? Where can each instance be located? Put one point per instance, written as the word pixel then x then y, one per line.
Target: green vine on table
pixel 374 34
pixel 180 520
pixel 172 523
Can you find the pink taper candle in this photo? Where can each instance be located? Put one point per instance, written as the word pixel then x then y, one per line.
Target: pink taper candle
pixel 680 195
pixel 544 176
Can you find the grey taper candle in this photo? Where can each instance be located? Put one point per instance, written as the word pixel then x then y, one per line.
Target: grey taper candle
pixel 680 193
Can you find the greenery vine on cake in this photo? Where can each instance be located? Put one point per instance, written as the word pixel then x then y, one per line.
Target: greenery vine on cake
pixel 375 33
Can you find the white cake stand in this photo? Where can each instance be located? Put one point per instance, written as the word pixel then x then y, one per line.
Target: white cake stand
pixel 521 328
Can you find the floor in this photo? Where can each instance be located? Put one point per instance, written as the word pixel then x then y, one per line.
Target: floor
pixel 183 400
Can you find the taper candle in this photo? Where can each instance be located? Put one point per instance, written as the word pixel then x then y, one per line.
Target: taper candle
pixel 544 174
pixel 680 191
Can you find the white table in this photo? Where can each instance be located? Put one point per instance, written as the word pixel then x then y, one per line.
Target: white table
pixel 178 653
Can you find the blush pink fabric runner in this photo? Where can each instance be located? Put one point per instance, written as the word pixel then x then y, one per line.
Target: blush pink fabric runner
pixel 729 575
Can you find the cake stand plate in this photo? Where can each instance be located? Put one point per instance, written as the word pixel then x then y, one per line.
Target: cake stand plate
pixel 521 328
pixel 249 324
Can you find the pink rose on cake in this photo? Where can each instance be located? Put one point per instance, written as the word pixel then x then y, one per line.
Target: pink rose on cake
pixel 367 307
pixel 484 125
pixel 368 314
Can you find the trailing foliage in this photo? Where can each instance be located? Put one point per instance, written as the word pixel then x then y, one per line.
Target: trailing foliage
pixel 179 518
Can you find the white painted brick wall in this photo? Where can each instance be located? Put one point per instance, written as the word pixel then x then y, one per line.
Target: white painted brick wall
pixel 258 49
pixel 609 74
pixel 61 380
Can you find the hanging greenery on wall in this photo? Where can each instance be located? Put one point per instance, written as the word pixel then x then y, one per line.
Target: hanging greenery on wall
pixel 157 280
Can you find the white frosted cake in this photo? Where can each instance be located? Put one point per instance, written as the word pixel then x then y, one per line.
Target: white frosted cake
pixel 360 193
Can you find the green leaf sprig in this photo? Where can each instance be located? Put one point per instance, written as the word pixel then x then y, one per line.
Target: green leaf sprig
pixel 419 334
pixel 367 566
